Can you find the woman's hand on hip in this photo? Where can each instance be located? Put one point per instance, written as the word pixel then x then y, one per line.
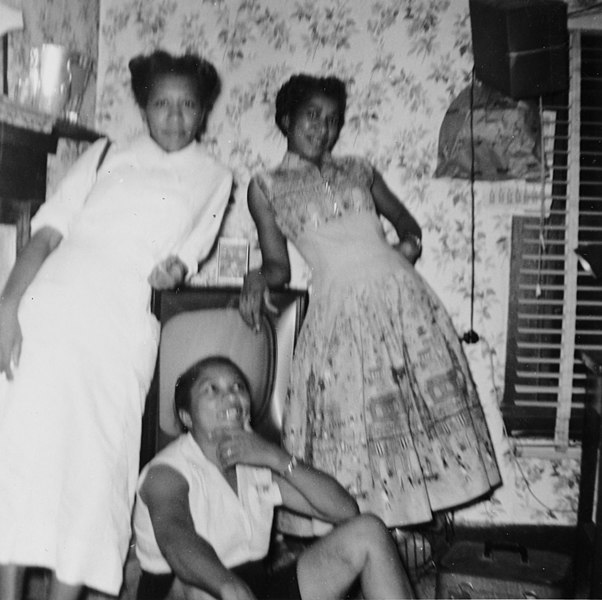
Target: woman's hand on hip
pixel 168 274
pixel 410 247
pixel 11 338
pixel 408 251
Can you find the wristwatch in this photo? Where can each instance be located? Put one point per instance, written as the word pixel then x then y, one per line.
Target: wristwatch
pixel 290 467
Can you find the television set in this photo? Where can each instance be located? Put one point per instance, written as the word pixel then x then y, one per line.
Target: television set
pixel 200 321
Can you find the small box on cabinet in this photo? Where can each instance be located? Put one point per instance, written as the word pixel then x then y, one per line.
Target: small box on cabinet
pixel 232 260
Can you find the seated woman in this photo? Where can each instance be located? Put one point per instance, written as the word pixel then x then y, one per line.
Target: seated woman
pixel 205 507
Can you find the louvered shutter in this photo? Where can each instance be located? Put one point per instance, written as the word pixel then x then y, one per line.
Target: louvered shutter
pixel 555 310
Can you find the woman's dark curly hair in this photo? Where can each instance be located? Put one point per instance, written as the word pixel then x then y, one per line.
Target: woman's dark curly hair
pixel 186 381
pixel 145 69
pixel 300 88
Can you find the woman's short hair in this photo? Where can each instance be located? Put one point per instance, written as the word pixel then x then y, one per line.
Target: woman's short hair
pixel 300 88
pixel 145 69
pixel 186 381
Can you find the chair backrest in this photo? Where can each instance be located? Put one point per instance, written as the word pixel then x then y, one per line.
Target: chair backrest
pixel 193 335
pixel 198 322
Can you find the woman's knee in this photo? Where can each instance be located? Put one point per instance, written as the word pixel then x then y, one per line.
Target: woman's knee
pixel 370 526
pixel 367 531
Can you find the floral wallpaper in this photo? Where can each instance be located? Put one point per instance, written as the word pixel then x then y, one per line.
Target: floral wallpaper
pixel 404 62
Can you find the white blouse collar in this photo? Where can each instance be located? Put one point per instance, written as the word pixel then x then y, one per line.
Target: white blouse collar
pixel 193 449
pixel 148 145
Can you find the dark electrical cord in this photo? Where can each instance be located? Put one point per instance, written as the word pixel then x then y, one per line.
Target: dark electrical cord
pixel 471 336
pixel 5 65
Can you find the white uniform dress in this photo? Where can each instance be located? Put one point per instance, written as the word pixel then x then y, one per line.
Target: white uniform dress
pixel 70 420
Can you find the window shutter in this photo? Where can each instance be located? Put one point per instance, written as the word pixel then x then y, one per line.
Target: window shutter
pixel 555 310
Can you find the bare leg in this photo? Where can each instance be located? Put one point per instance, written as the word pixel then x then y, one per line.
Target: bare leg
pixel 63 591
pixel 11 582
pixel 187 592
pixel 361 547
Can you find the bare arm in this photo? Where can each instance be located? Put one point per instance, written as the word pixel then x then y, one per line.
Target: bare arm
pixel 275 267
pixel 191 557
pixel 308 491
pixel 27 265
pixel 303 488
pixel 406 226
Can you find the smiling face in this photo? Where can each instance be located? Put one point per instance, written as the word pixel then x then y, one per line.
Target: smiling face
pixel 314 128
pixel 219 401
pixel 173 113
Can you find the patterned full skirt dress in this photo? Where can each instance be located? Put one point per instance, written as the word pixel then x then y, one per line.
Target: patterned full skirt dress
pixel 381 394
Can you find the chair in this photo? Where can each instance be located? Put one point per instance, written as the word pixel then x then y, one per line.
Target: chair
pixel 198 322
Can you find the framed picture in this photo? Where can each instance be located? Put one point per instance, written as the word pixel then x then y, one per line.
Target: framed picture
pixel 232 260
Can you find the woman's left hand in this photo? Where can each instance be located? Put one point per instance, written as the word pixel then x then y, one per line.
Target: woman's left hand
pixel 168 273
pixel 247 447
pixel 254 297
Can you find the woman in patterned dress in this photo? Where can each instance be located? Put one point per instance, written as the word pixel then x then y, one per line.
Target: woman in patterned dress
pixel 380 395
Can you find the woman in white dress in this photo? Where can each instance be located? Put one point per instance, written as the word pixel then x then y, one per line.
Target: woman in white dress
pixel 78 341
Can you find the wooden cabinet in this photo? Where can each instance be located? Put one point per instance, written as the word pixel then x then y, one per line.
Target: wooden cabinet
pixel 23 156
pixel 23 170
pixel 23 159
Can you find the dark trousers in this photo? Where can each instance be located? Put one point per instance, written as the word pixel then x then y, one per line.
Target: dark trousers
pixel 280 585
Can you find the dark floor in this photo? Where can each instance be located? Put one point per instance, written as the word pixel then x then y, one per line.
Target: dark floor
pixel 414 548
pixel 419 554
